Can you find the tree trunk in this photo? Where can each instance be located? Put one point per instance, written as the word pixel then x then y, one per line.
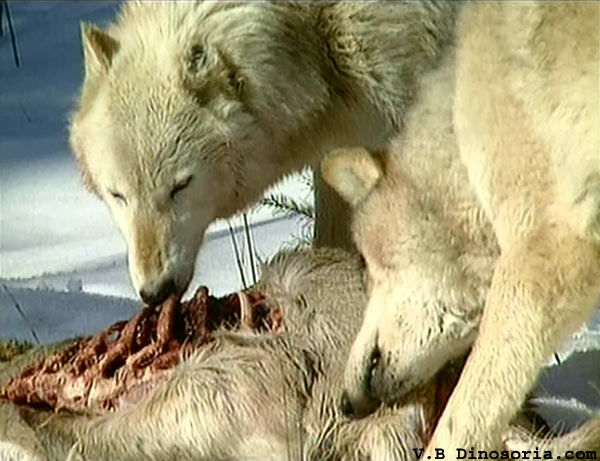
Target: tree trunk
pixel 332 217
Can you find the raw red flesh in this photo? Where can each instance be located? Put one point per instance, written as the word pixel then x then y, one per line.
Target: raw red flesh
pixel 130 358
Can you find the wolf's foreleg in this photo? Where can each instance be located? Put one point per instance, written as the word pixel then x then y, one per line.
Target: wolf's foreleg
pixel 544 287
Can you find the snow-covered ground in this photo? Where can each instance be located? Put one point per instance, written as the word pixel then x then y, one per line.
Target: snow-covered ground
pixel 62 262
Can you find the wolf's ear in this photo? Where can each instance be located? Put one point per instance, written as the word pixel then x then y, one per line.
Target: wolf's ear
pixel 195 60
pixel 99 49
pixel 351 172
pixel 203 63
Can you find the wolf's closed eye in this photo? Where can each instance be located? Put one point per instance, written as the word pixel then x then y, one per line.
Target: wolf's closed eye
pixel 120 197
pixel 180 186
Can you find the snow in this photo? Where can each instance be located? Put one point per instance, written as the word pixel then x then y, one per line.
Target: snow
pixel 51 316
pixel 62 260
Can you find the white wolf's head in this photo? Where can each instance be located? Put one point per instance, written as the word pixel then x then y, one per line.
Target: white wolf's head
pixel 184 112
pixel 421 312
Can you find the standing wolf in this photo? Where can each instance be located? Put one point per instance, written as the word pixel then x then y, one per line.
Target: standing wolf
pixel 190 109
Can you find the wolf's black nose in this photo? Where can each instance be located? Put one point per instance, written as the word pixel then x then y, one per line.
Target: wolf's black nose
pixel 157 295
pixel 346 405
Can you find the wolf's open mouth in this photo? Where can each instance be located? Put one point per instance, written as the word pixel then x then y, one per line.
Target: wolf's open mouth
pixel 124 362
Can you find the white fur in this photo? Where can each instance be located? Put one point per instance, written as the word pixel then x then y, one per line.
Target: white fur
pixel 525 108
pixel 429 249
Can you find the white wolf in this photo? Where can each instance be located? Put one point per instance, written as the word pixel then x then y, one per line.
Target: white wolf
pixel 511 202
pixel 257 397
pixel 189 110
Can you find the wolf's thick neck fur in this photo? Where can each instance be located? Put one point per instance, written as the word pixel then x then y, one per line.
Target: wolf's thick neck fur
pixel 372 64
pixel 376 59
pixel 318 75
